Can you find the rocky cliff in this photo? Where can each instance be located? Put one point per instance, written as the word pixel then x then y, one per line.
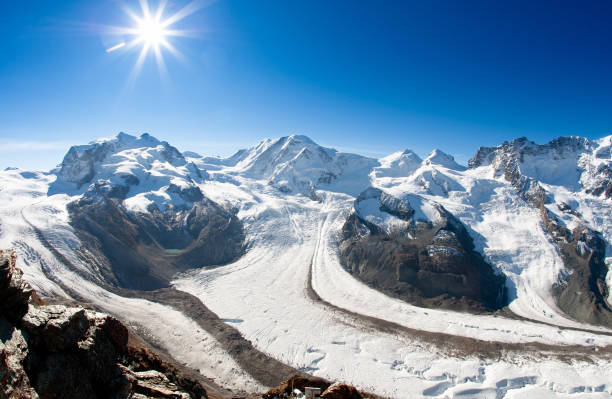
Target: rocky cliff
pixel 418 252
pixel 56 351
pixel 574 163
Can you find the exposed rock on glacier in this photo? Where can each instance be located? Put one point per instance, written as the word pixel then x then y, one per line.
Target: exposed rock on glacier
pixel 140 214
pixel 574 164
pixel 144 250
pixel 417 251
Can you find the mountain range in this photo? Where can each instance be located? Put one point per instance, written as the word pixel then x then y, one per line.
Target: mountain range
pixel 405 277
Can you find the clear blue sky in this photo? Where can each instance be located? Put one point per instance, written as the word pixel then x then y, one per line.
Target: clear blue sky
pixel 369 77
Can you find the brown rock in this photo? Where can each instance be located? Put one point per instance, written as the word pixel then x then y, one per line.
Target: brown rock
pixel 54 351
pixel 296 382
pixel 341 391
pixel 14 291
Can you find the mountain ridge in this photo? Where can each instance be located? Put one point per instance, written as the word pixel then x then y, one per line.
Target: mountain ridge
pixel 278 209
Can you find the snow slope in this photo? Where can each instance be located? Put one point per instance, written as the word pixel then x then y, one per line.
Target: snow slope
pixel 25 204
pixel 293 236
pixel 575 173
pixel 296 164
pixel 294 197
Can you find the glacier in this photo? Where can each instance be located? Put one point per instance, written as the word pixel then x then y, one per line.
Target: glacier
pixel 290 295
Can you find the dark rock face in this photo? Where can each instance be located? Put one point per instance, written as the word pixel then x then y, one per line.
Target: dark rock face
pixel 144 250
pixel 14 292
pixel 582 294
pixel 429 265
pixel 54 351
pixel 603 182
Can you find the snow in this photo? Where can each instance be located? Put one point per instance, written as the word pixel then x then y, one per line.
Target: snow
pixel 398 164
pixel 440 158
pixel 298 165
pixel 368 208
pixel 24 201
pixel 293 237
pixel 145 167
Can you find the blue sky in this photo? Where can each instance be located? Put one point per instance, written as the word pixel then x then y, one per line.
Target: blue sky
pixel 362 76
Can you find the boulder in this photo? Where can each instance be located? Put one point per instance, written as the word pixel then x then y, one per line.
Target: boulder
pixel 341 391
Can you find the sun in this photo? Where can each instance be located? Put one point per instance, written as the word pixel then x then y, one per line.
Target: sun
pixel 151 31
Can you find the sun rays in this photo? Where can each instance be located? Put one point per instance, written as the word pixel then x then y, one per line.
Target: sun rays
pixel 151 32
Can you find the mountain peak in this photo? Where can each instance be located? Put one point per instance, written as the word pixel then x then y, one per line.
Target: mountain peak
pixel 439 157
pixel 299 138
pixel 124 140
pixel 571 161
pixel 398 164
pixel 131 168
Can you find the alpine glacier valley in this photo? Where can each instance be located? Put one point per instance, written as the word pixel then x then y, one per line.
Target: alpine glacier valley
pixel 401 277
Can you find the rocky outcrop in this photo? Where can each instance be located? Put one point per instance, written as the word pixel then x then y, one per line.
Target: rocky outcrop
pixel 427 263
pixel 15 293
pixel 338 390
pixel 55 351
pixel 297 384
pixel 582 292
pixel 143 250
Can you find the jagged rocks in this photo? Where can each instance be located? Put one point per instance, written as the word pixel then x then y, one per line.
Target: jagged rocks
pixel 393 246
pixel 575 163
pixel 15 293
pixel 54 351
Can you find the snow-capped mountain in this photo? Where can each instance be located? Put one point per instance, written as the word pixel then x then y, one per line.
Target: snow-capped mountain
pixel 141 171
pixel 136 207
pixel 381 258
pixel 296 164
pixel 568 181
pixel 440 158
pixel 575 163
pixel 398 164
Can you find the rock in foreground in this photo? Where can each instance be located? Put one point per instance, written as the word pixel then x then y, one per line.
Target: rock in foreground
pixel 55 351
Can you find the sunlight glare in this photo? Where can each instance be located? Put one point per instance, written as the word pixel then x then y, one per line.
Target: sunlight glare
pixel 152 31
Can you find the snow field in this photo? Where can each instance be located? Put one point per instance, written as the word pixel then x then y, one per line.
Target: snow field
pixel 168 328
pixel 269 305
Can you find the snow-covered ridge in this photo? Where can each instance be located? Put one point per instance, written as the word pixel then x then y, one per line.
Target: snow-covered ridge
pixel 296 164
pixel 142 171
pixel 392 214
pixel 440 158
pixel 398 164
pixel 294 238
pixel 575 163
